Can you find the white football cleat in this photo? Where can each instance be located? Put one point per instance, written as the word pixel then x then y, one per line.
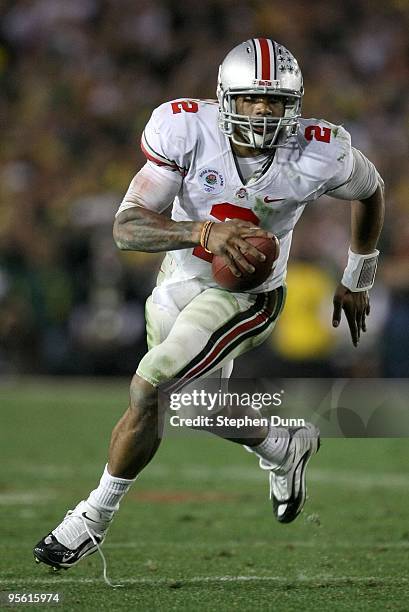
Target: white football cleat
pixel 288 489
pixel 80 534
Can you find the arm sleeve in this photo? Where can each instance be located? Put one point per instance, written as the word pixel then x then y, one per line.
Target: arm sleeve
pixel 362 182
pixel 153 187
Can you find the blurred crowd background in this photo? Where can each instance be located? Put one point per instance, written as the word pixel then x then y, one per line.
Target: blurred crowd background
pixel 79 80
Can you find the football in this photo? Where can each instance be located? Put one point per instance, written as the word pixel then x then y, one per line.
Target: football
pixel 222 275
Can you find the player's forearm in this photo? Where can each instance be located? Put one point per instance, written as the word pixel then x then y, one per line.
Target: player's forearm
pixel 139 229
pixel 366 222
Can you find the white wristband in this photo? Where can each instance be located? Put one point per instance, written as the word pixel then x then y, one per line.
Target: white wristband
pixel 359 275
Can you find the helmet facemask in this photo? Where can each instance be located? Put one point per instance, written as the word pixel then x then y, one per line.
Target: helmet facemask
pixel 259 132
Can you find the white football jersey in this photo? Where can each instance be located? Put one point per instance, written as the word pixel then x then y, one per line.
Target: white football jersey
pixel 183 135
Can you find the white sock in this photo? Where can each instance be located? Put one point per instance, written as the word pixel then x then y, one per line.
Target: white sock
pixel 110 491
pixel 274 448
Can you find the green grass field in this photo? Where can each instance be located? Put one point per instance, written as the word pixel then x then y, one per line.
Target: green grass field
pixel 196 532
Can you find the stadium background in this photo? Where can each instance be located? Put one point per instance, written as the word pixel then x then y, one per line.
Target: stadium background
pixel 79 80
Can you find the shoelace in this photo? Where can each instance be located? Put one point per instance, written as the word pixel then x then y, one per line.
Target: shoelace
pixel 68 528
pixel 107 580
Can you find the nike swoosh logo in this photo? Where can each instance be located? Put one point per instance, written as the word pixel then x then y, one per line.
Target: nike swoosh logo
pixel 84 514
pixel 267 200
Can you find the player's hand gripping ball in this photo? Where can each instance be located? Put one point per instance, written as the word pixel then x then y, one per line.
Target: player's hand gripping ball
pixel 226 279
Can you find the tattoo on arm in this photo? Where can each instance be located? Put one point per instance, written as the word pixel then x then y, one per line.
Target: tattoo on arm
pixel 140 229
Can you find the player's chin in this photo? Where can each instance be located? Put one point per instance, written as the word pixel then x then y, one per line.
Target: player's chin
pixel 248 138
pixel 243 136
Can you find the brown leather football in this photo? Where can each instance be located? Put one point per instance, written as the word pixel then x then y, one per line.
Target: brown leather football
pixel 222 275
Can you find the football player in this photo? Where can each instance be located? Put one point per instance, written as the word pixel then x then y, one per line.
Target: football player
pixel 244 165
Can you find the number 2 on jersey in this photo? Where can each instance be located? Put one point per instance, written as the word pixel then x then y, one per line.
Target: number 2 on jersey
pixel 189 106
pixel 223 212
pixel 323 134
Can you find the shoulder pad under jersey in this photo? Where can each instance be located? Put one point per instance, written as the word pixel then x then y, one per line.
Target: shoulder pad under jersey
pixel 171 134
pixel 328 149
